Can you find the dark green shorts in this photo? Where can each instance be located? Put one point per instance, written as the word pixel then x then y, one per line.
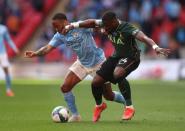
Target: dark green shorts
pixel 107 69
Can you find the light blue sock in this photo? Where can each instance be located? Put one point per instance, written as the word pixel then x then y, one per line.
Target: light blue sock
pixel 118 97
pixel 70 100
pixel 8 81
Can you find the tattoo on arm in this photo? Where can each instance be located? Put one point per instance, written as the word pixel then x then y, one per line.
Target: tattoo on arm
pixel 42 51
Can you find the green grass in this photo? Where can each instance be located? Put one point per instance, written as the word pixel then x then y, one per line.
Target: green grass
pixel 159 106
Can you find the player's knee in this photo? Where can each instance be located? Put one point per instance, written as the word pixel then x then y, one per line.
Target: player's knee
pixel 65 88
pixel 96 83
pixel 119 72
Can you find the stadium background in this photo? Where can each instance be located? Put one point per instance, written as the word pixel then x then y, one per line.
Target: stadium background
pixel 159 104
pixel 29 23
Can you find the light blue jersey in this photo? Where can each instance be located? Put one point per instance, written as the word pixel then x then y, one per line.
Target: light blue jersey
pixel 4 36
pixel 82 43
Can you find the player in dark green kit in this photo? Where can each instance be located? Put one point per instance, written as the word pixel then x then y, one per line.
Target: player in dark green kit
pixel 125 59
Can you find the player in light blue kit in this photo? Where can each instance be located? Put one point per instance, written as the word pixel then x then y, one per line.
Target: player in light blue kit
pixel 88 62
pixel 4 36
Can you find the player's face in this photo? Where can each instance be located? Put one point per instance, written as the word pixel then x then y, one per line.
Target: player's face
pixel 58 25
pixel 110 26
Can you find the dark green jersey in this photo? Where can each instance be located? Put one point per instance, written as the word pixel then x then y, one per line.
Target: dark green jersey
pixel 124 41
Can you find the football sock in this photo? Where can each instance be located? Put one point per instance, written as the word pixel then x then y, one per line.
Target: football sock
pixel 131 106
pixel 118 97
pixel 97 93
pixel 8 81
pixel 70 100
pixel 99 105
pixel 125 90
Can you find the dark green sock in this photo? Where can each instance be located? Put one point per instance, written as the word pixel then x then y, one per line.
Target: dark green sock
pixel 97 93
pixel 125 90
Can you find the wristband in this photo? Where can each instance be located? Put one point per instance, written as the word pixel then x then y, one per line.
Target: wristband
pixel 67 27
pixel 76 24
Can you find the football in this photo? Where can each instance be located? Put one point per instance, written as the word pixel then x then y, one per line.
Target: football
pixel 60 114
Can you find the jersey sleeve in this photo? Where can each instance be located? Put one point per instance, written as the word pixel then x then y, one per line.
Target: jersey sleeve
pixel 56 40
pixel 129 29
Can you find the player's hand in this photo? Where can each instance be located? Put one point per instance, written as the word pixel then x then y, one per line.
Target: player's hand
pixel 162 51
pixel 67 28
pixel 29 54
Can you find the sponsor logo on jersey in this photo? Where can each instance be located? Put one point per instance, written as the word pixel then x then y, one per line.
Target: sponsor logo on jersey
pixel 116 38
pixel 75 34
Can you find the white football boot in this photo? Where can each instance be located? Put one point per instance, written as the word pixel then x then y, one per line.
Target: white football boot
pixel 74 118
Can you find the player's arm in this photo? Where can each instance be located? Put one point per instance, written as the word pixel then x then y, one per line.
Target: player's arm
pixel 41 52
pixel 54 42
pixel 142 37
pixel 89 23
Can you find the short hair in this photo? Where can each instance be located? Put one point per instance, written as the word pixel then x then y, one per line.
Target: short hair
pixel 109 16
pixel 59 16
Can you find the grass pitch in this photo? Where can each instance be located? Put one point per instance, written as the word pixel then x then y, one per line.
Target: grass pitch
pixel 159 106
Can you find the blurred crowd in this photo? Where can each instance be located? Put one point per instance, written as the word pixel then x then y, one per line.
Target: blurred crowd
pixel 162 20
pixel 13 13
pixel 23 18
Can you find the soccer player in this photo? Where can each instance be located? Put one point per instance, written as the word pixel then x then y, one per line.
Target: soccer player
pixel 88 62
pixel 4 36
pixel 125 59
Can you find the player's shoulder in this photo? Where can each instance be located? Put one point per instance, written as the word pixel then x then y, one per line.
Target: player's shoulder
pixel 123 23
pixel 58 35
pixel 125 26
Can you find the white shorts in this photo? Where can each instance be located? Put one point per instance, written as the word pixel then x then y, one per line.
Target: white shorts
pixel 82 71
pixel 4 62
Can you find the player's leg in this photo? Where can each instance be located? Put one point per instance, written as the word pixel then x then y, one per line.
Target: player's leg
pixel 125 67
pixel 110 95
pixel 9 91
pixel 102 76
pixel 125 89
pixel 74 76
pixel 97 90
pixel 107 90
pixel 5 64
pixel 70 81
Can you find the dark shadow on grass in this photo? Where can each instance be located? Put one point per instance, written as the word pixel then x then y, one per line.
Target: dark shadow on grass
pixel 105 122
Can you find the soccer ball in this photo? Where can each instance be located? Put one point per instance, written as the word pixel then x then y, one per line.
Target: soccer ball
pixel 60 114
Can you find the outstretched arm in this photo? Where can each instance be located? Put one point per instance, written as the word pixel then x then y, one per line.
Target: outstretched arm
pixel 41 52
pixel 89 23
pixel 142 37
